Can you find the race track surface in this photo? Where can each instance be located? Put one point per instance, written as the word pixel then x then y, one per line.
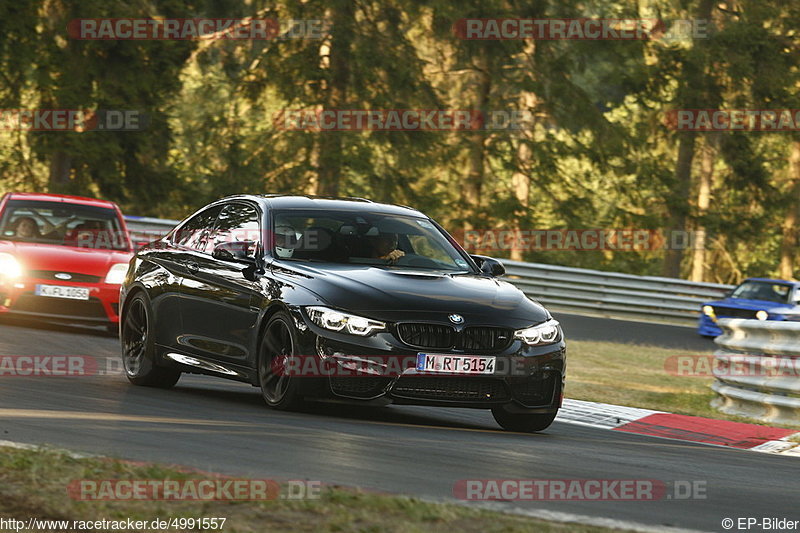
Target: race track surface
pixel 221 426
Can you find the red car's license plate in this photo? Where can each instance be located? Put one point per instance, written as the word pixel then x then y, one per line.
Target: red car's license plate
pixel 58 291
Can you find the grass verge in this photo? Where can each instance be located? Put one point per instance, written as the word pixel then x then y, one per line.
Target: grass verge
pixel 33 483
pixel 638 376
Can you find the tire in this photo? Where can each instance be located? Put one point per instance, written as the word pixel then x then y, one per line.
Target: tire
pixel 138 348
pixel 522 422
pixel 278 343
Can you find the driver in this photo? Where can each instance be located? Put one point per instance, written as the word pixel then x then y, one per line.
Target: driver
pixel 384 246
pixel 286 239
pixel 26 228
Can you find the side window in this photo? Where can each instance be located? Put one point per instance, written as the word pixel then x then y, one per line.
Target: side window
pixel 194 233
pixel 237 223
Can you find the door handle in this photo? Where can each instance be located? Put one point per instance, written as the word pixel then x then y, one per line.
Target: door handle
pixel 192 267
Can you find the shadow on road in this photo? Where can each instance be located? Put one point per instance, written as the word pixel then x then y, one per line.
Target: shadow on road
pixel 252 404
pixel 77 329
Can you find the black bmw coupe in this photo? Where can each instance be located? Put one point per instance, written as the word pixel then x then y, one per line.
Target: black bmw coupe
pixel 311 298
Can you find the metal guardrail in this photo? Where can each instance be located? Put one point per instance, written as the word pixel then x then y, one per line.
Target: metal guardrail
pixel 578 290
pixel 146 229
pixel 756 370
pixel 613 294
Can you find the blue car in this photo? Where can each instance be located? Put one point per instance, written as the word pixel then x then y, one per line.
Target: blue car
pixel 755 298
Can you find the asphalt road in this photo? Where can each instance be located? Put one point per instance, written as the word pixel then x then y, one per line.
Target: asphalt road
pixel 585 328
pixel 220 426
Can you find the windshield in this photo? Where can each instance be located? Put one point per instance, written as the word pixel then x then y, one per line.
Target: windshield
pixel 359 238
pixel 63 224
pixel 763 290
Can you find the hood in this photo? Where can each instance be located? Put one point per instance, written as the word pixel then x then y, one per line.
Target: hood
pixel 754 305
pixel 391 294
pixel 37 256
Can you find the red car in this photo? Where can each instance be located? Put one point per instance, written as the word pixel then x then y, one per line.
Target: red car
pixel 62 258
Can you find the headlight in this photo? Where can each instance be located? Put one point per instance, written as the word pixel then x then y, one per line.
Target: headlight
pixel 762 315
pixel 9 266
pixel 708 310
pixel 545 333
pixel 116 274
pixel 338 321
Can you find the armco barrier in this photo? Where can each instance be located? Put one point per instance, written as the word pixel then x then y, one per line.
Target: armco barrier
pixel 146 229
pixel 613 294
pixel 577 290
pixel 756 370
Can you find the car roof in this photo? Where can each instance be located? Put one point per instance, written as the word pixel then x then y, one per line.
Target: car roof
pixel 43 197
pixel 284 201
pixel 772 280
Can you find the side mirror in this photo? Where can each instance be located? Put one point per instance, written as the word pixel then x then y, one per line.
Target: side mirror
pixel 237 251
pixel 489 266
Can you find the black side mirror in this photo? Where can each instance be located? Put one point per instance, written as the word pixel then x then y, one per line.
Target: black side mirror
pixel 237 251
pixel 489 265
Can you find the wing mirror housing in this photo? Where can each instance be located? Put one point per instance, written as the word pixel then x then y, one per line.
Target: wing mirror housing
pixel 489 266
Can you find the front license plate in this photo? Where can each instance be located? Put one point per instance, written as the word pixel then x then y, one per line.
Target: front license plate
pixel 455 364
pixel 58 291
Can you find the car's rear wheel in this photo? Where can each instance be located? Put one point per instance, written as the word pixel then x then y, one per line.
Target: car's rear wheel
pixel 138 348
pixel 278 346
pixel 523 422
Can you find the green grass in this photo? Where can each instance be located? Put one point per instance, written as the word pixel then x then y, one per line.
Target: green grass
pixel 33 484
pixel 634 375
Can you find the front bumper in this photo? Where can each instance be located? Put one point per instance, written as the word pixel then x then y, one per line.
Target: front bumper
pixel 381 369
pixel 18 298
pixel 707 327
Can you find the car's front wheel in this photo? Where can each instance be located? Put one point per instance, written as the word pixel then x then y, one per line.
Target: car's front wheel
pixel 138 347
pixel 278 346
pixel 523 422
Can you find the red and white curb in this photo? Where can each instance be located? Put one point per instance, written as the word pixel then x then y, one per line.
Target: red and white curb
pixel 680 427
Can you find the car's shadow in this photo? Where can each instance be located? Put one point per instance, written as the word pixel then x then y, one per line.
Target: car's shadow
pixel 392 414
pixel 77 329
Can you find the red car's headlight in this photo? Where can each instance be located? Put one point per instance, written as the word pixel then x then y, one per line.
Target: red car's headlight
pixel 116 274
pixel 9 266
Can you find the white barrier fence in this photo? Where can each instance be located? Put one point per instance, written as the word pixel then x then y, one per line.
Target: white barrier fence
pixel 567 289
pixel 756 370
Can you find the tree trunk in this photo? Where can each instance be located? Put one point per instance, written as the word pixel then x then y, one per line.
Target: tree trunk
pixel 789 226
pixel 331 157
pixel 60 166
pixel 678 207
pixel 693 82
pixel 699 242
pixel 473 181
pixel 521 180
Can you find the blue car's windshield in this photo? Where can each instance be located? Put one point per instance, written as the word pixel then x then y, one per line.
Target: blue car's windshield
pixel 763 290
pixel 363 238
